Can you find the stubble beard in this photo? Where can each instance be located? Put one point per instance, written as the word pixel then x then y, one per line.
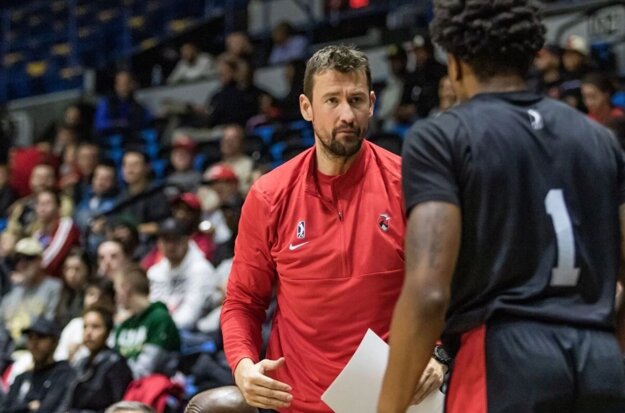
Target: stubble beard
pixel 337 149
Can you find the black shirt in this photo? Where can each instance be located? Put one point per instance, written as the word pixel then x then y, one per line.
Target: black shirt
pixel 47 385
pixel 539 186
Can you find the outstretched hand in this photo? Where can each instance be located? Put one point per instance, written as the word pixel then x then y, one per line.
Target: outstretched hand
pixel 259 389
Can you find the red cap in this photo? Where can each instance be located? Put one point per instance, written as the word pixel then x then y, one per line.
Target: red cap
pixel 189 199
pixel 220 172
pixel 184 142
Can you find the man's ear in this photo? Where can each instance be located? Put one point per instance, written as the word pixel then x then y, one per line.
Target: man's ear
pixel 371 102
pixel 305 106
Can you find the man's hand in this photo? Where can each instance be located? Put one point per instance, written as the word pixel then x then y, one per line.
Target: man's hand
pixel 431 379
pixel 260 390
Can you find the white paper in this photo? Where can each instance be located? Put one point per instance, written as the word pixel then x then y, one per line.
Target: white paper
pixel 357 387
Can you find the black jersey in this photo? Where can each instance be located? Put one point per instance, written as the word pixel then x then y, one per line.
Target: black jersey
pixel 539 186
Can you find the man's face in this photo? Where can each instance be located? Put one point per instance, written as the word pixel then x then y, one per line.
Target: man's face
pixel 572 60
pixel 87 159
pixel 134 168
pixel 181 159
pixel 594 99
pixel 28 267
pixel 41 347
pixel 173 248
pixel 103 180
pixel 111 258
pixel 42 177
pixel 123 84
pixel 340 110
pixel 188 52
pixel 46 207
pixel 225 190
pixel 230 144
pixel 546 60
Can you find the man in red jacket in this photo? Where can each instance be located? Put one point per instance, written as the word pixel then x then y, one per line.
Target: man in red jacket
pixel 325 232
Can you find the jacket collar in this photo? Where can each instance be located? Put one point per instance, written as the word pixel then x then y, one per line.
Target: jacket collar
pixel 353 175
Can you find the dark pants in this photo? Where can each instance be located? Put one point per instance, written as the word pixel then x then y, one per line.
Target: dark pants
pixel 519 366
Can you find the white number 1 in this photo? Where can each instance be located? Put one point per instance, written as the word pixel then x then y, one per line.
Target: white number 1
pixel 564 274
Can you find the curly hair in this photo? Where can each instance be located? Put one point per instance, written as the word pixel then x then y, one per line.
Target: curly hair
pixel 494 37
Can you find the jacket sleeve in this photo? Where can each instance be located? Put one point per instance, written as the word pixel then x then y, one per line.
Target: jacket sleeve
pixel 119 377
pixel 66 237
pixel 58 392
pixel 251 281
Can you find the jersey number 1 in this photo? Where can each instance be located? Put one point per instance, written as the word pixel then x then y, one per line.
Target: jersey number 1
pixel 565 274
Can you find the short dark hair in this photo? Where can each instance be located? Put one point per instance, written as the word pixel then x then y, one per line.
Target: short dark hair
pixel 106 287
pixel 342 58
pixel 494 37
pixel 137 278
pixel 105 311
pixel 601 81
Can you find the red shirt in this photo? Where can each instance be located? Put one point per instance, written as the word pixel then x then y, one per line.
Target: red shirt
pixel 336 265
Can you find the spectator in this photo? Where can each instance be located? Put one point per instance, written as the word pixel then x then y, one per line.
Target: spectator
pixel 287 46
pixel 103 375
pixel 289 104
pixel 184 280
pixel 146 203
pixel 34 293
pixel 44 388
pixel 192 66
pixel 7 195
pixel 222 260
pixel 149 339
pixel 446 96
pixel 79 183
pixel 238 46
pixel 393 108
pixel 76 274
pixel 422 87
pixel 23 215
pixel 229 104
pixel 124 228
pixel 597 91
pixel 100 197
pixel 575 58
pixel 181 160
pixel 120 112
pixel 547 72
pixel 112 258
pixel 233 155
pixel 98 291
pixel 223 182
pixel 57 235
pixel 185 208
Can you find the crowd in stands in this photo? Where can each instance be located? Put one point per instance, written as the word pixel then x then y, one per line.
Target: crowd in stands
pixel 116 246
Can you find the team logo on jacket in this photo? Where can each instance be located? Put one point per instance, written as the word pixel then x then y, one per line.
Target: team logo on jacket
pixel 384 222
pixel 301 230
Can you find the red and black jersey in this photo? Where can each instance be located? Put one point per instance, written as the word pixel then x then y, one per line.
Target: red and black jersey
pixel 539 186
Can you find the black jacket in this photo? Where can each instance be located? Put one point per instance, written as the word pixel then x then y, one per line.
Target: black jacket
pixel 47 385
pixel 101 382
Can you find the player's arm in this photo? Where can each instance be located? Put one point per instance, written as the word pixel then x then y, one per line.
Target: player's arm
pixel 620 305
pixel 248 294
pixel 432 245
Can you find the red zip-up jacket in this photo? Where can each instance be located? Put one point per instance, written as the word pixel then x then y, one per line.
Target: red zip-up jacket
pixel 336 265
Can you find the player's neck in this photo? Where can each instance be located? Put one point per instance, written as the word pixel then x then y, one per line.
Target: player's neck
pixel 497 84
pixel 333 165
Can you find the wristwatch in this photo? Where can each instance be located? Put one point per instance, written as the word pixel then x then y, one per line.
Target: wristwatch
pixel 441 356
